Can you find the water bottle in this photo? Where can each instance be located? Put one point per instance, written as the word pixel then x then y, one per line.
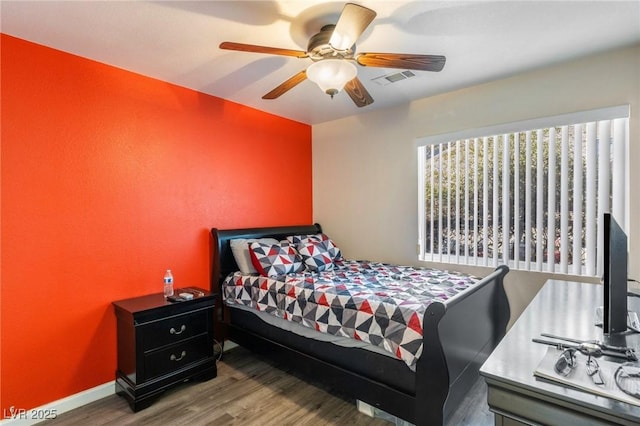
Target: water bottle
pixel 168 283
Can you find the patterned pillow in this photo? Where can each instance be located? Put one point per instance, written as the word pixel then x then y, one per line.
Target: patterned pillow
pixel 334 251
pixel 316 255
pixel 240 250
pixel 272 260
pixel 297 239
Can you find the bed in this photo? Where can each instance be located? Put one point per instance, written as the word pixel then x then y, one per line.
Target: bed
pixel 424 388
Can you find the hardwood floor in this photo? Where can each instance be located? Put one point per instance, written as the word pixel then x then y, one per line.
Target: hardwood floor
pixel 249 391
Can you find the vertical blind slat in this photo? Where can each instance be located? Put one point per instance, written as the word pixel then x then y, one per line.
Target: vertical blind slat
pixel 618 171
pixel 527 202
pixel 564 200
pixel 516 200
pixel 551 203
pixel 591 201
pixel 421 200
pixel 456 242
pixel 431 197
pixel 506 205
pixel 604 136
pixel 449 190
pixel 440 185
pixel 539 201
pixel 466 200
pixel 475 205
pixel 485 202
pixel 496 206
pixel 577 200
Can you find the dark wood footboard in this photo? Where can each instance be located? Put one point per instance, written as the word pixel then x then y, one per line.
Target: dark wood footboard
pixel 457 338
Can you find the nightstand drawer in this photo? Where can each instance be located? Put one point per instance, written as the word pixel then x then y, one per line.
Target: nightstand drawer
pixel 173 329
pixel 174 357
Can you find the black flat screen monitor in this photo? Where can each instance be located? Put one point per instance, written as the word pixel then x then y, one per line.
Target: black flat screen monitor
pixel 614 318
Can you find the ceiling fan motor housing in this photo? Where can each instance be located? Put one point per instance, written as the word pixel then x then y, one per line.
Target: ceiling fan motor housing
pixel 319 48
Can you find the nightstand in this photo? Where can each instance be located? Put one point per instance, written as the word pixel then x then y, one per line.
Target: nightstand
pixel 161 344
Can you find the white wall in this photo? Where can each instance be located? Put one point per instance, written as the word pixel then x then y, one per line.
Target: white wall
pixel 365 166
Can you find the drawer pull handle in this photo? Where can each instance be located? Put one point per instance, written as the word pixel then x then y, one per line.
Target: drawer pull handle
pixel 175 358
pixel 173 330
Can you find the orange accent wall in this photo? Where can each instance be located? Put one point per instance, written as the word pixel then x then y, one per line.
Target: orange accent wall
pixel 108 179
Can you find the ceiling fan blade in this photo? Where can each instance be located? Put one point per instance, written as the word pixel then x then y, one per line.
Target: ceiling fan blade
pixel 358 93
pixel 287 85
pixel 401 60
pixel 229 45
pixel 353 20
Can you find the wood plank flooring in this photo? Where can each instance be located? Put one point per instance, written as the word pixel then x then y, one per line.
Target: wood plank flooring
pixel 250 391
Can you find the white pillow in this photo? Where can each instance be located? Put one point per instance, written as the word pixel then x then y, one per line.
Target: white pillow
pixel 240 250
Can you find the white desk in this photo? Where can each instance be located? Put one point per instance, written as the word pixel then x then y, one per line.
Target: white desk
pixel 517 397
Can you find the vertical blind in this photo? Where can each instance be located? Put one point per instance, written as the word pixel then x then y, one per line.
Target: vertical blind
pixel 530 194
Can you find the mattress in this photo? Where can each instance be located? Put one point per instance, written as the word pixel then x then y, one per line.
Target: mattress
pixel 365 304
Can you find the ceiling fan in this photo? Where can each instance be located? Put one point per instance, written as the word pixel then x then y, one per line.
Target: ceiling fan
pixel 333 52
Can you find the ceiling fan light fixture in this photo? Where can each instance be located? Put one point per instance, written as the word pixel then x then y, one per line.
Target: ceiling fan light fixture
pixel 331 75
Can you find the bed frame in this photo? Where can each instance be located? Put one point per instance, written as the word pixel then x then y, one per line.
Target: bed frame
pixel 458 337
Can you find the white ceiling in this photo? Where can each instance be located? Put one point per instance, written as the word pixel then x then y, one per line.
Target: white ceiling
pixel 177 42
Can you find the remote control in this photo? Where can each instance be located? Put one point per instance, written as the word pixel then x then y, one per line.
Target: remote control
pixel 186 296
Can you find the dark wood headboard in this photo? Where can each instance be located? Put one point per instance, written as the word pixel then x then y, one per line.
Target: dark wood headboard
pixel 223 263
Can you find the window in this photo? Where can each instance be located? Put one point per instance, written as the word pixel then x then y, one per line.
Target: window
pixel 529 194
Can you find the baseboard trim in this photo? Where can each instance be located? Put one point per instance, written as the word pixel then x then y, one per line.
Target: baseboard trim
pixel 23 417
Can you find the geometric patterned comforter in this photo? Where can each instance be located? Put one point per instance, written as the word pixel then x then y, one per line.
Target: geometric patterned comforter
pixel 378 303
